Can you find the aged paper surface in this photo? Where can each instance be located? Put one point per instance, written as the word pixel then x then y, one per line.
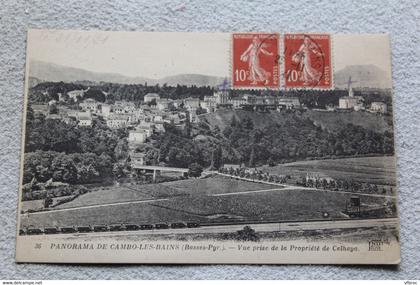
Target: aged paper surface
pixel 208 148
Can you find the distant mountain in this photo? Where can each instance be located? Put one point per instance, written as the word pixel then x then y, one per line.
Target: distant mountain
pixel 56 73
pixel 191 79
pixel 45 71
pixel 33 81
pixel 363 76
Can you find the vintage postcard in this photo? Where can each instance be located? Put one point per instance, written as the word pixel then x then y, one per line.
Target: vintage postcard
pixel 261 148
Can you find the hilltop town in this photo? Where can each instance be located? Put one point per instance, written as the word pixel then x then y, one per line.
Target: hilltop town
pixel 150 116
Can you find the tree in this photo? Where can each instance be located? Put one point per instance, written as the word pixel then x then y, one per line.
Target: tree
pixel 121 150
pixel 251 162
pixel 271 162
pixel 64 169
pixel 216 158
pixel 118 170
pixel 188 127
pixel 48 202
pixel 248 124
pixel 152 103
pixel 195 170
pixel 52 109
pixel 96 94
pixel 234 122
pixel 247 234
pixel 213 155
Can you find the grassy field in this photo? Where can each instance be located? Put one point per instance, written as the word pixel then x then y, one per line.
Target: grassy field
pixel 337 120
pixel 180 188
pixel 193 200
pixel 260 206
pixel 376 170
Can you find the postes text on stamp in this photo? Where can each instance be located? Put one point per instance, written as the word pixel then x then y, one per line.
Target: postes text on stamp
pixel 255 60
pixel 307 61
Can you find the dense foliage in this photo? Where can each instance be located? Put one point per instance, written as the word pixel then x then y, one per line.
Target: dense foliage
pixel 294 138
pixel 177 148
pixel 69 153
pixel 55 135
pixel 298 138
pixel 74 168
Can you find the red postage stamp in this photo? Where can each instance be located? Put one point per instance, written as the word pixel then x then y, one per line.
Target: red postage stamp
pixel 255 60
pixel 307 61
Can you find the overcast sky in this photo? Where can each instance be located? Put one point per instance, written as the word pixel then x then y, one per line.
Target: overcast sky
pixel 362 49
pixel 152 55
pixel 156 55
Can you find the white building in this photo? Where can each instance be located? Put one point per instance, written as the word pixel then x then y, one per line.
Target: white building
pixel 137 136
pixel 123 107
pixel 163 104
pixel 147 127
pixel 209 106
pixel 250 99
pixel 139 116
pixel 174 118
pixel 192 104
pixel 60 97
pixel 222 97
pixel 237 102
pixel 193 117
pixel 53 117
pixel 378 107
pixel 177 103
pixel 89 105
pixel 347 102
pixel 117 121
pixel 106 110
pixel 40 109
pixel 288 102
pixel 210 98
pixel 159 126
pixel 351 101
pixel 76 94
pixel 84 120
pixel 149 97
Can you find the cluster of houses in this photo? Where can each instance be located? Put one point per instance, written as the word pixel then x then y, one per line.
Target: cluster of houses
pixel 149 117
pixel 356 103
pixel 222 99
pixel 155 111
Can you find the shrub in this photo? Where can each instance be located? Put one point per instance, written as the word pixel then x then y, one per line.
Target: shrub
pixel 195 170
pixel 247 234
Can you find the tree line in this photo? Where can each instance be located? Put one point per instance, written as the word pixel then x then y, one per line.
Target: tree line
pixel 111 92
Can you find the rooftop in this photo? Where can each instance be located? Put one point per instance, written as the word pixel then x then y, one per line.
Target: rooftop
pixel 137 131
pixel 85 118
pixel 151 95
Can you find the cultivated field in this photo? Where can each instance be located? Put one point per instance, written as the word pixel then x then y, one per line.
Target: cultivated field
pixel 181 188
pixel 376 170
pixel 199 200
pixel 276 205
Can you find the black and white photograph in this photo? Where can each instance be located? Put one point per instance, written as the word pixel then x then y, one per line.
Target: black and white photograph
pixel 139 148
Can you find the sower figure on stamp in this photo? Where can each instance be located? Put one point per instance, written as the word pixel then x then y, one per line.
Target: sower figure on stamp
pixel 251 54
pixel 302 57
